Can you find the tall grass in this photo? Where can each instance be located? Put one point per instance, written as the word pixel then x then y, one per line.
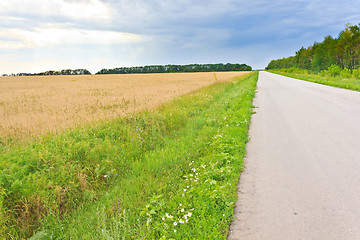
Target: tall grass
pixel 165 174
pixel 341 80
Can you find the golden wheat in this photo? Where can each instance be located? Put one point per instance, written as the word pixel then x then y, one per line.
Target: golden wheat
pixel 32 106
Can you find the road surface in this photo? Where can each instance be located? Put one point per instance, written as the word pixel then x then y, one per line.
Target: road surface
pixel 302 176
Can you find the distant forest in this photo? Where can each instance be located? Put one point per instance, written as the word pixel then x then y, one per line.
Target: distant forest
pixel 149 69
pixel 343 51
pixel 178 68
pixel 62 72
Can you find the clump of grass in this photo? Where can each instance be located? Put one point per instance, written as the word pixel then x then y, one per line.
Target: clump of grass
pixel 165 174
pixel 333 77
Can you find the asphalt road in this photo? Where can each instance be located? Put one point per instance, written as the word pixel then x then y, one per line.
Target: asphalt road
pixel 302 176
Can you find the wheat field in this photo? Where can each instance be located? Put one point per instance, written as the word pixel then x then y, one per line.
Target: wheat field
pixel 33 106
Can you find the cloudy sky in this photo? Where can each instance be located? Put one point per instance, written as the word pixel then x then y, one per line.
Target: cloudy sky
pixel 40 35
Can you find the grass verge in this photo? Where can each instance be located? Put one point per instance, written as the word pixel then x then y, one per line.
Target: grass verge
pixel 340 82
pixel 167 174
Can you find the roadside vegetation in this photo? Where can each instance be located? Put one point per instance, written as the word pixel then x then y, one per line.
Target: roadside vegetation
pixel 333 76
pixel 343 51
pixel 334 61
pixel 170 173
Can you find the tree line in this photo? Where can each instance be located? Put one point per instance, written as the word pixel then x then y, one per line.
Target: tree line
pixel 62 72
pixel 149 69
pixel 343 51
pixel 178 68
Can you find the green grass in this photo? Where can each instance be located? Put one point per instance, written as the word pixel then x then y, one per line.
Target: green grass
pixel 340 82
pixel 166 174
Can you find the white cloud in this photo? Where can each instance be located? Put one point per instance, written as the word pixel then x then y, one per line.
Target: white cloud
pixel 86 9
pixel 51 35
pixel 10 65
